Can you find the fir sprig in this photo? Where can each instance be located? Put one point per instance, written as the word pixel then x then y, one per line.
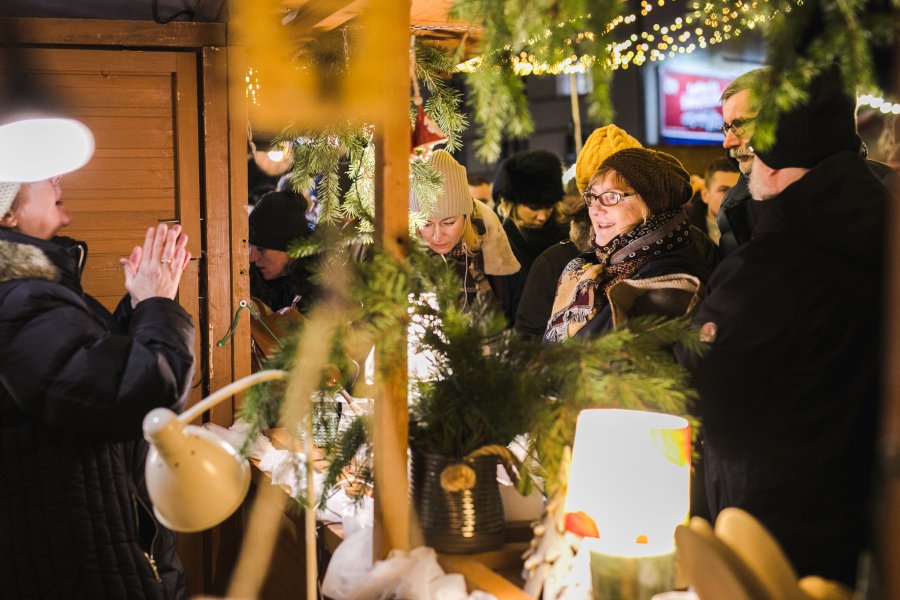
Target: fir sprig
pixel 490 385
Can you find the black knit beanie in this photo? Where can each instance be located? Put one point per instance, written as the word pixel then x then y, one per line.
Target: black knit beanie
pixel 818 128
pixel 659 178
pixel 532 178
pixel 278 219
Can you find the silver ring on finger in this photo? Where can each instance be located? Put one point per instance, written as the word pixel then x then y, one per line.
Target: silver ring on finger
pixel 165 261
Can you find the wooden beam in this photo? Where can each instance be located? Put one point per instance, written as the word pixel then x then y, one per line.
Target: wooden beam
pixel 240 246
pixel 106 32
pixel 889 561
pixel 311 14
pixel 391 18
pixel 221 542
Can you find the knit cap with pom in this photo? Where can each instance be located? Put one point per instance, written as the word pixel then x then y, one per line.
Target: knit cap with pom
pixel 8 191
pixel 454 198
pixel 603 142
pixel 659 178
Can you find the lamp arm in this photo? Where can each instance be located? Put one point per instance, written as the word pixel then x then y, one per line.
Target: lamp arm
pixel 230 390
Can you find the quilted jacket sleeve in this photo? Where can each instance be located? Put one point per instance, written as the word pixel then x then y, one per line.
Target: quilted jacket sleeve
pixel 61 364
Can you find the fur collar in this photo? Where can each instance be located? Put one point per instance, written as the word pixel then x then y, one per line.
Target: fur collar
pixel 498 255
pixel 24 261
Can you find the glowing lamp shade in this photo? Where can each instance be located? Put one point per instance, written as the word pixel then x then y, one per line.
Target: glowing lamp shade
pixel 631 474
pixel 195 479
pixel 33 149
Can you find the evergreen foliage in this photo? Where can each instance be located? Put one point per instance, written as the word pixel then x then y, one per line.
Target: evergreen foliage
pixel 340 160
pixel 803 38
pixel 490 385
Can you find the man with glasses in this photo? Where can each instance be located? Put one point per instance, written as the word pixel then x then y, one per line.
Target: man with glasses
pixel 788 386
pixel 737 214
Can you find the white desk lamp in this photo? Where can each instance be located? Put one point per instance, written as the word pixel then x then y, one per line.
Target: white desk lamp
pixel 195 479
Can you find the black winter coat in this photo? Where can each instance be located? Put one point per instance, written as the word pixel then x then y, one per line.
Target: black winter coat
pixel 527 244
pixel 280 292
pixel 788 387
pixel 536 303
pixel 75 384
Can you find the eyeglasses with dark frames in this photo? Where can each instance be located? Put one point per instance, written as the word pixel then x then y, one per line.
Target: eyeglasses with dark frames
pixel 738 127
pixel 609 198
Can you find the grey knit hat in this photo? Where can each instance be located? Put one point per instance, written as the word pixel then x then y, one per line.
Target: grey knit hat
pixel 455 198
pixel 659 178
pixel 8 191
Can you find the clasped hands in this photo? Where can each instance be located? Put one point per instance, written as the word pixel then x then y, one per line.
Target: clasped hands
pixel 155 270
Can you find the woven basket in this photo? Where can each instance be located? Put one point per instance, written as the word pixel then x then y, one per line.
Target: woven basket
pixel 458 522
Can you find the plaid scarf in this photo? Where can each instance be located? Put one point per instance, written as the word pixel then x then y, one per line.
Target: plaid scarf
pixel 470 269
pixel 581 291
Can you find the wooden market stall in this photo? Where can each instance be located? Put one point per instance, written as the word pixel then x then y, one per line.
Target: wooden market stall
pixel 171 147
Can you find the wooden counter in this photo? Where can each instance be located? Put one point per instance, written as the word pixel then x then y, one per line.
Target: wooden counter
pixel 286 575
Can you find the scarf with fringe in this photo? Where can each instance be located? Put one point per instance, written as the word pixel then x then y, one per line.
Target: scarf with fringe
pixel 582 287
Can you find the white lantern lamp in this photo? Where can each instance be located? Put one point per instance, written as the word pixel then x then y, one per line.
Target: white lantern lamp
pixel 195 479
pixel 630 475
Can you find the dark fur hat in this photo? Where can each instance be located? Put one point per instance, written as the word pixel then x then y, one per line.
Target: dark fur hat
pixel 278 219
pixel 532 178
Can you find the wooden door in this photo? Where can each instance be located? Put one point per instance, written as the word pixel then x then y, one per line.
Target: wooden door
pixel 142 108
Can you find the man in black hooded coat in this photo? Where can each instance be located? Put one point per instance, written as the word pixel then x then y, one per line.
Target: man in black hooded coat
pixel 789 385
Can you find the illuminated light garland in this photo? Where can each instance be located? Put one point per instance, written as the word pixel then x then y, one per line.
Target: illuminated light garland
pixel 873 101
pixel 252 90
pixel 732 18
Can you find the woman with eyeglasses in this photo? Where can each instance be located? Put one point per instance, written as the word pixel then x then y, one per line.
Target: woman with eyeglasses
pixel 645 258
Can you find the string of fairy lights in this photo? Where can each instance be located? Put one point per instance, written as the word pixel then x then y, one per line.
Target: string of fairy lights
pixel 711 22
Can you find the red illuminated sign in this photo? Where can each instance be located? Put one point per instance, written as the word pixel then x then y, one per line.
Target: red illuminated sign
pixel 689 106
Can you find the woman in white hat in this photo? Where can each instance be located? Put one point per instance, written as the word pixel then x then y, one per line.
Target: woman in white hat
pixel 468 233
pixel 75 384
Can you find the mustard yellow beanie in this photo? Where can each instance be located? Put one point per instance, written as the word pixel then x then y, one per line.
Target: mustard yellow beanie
pixel 603 142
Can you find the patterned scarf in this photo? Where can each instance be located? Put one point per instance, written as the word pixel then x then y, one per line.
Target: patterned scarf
pixel 582 287
pixel 470 269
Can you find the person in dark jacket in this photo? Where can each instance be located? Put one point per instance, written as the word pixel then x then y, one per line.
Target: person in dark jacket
pixel 718 178
pixel 789 384
pixel 738 213
pixel 469 237
pixel 276 278
pixel 527 187
pixel 646 257
pixel 75 384
pixel 540 285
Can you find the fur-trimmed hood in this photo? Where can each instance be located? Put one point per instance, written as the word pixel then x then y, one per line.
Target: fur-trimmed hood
pixel 498 255
pixel 25 261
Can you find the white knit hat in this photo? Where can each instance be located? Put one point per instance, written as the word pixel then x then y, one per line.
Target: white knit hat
pixel 455 198
pixel 8 191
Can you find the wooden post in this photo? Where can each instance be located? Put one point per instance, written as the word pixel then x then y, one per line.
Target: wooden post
pixel 576 111
pixel 392 234
pixel 889 532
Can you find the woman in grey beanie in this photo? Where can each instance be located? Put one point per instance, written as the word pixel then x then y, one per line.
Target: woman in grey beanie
pixel 468 235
